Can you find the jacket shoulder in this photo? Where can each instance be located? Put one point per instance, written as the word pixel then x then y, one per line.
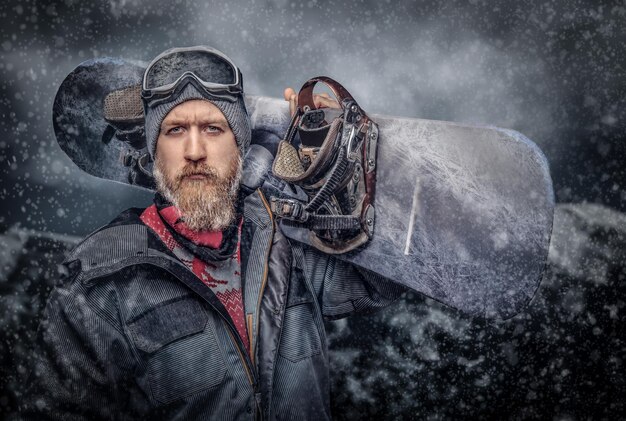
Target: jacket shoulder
pixel 123 237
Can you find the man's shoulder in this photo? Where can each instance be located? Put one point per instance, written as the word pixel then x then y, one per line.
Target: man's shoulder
pixel 122 237
pixel 111 259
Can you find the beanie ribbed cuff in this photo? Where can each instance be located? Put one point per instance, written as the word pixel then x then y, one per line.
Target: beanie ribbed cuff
pixel 235 113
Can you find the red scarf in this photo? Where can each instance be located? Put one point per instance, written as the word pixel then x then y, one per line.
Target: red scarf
pixel 222 276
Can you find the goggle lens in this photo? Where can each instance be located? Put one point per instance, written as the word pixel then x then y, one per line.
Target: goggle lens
pixel 209 68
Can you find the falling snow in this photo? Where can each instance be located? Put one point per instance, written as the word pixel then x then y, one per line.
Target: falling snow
pixel 552 70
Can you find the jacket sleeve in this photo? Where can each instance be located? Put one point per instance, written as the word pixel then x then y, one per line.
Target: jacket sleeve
pixel 74 374
pixel 342 288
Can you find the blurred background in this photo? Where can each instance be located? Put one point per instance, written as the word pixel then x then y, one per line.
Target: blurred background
pixel 553 70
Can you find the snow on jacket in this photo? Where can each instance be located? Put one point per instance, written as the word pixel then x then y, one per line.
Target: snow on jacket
pixel 132 334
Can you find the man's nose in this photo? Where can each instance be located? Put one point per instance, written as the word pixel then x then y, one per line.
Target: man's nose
pixel 194 146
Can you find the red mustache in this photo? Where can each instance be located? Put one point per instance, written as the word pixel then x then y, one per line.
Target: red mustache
pixel 208 172
pixel 191 169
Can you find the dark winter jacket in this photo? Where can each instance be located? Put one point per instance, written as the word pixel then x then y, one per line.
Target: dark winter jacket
pixel 133 334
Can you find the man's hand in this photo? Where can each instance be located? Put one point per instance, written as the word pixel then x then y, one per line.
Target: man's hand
pixel 320 100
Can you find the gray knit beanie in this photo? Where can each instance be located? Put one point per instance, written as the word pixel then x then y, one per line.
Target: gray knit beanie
pixel 235 113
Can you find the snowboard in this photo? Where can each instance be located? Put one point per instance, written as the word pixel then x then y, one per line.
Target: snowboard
pixel 463 212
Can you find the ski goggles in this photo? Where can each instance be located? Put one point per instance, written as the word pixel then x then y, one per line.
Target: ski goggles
pixel 208 69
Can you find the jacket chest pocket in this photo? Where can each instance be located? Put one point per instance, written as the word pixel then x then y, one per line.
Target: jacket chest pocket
pixel 178 340
pixel 300 337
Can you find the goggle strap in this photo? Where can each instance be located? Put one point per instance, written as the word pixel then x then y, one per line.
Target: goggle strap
pixel 152 98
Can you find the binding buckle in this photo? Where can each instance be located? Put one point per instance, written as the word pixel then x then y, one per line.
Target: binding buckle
pixel 289 208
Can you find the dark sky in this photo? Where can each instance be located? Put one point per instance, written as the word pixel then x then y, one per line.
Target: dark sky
pixel 554 71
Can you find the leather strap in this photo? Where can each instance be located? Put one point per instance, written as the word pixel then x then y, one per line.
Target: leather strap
pixel 305 97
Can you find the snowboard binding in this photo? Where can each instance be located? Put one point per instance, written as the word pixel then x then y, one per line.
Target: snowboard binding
pixel 123 111
pixel 335 164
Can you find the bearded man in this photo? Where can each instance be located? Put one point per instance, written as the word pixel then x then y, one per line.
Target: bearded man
pixel 197 307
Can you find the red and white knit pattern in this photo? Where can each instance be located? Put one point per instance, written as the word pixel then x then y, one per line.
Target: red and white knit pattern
pixel 224 278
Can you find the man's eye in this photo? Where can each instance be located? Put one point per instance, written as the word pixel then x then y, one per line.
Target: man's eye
pixel 212 129
pixel 175 130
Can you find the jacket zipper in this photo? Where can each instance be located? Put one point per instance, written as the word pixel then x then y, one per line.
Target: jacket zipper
pixel 241 355
pixel 253 347
pixel 265 271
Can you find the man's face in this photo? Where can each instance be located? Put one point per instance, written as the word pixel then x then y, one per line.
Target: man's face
pixel 198 165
